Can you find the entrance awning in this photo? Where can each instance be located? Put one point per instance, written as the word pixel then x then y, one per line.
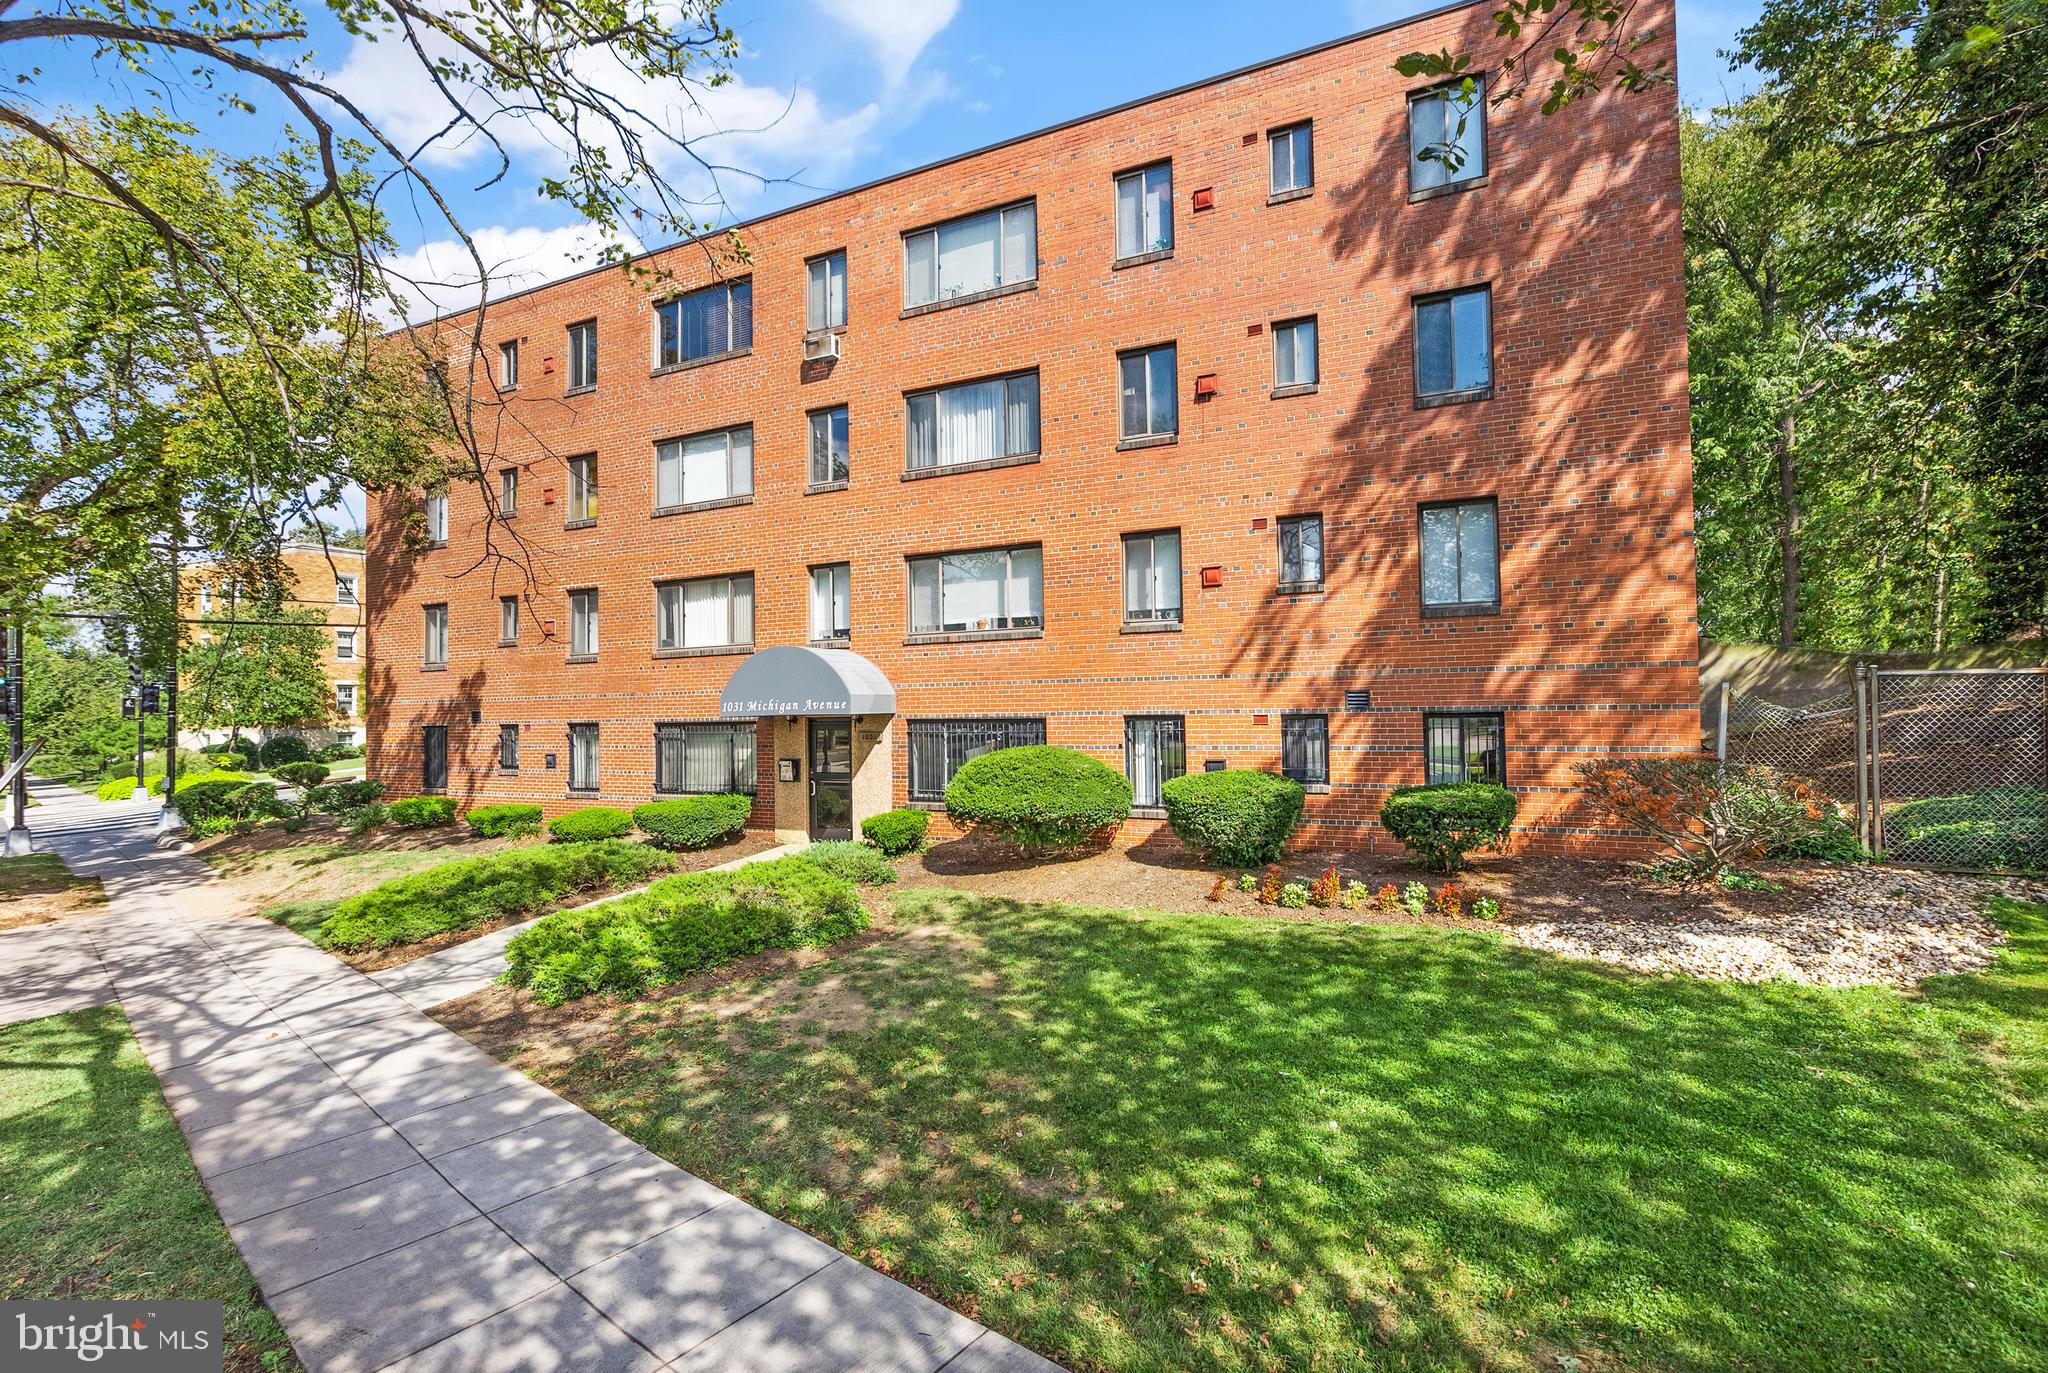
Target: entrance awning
pixel 797 680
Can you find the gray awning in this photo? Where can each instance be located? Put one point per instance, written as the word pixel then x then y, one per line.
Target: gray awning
pixel 795 680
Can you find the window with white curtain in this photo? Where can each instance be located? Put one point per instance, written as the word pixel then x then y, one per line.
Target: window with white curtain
pixel 1301 550
pixel 825 292
pixel 437 517
pixel 705 324
pixel 1461 556
pixel 832 601
pixel 993 588
pixel 1294 353
pixel 1155 751
pixel 830 460
pixel 966 256
pixel 434 650
pixel 1148 399
pixel 1447 135
pixel 582 489
pixel 713 759
pixel 707 612
pixel 704 467
pixel 1144 211
pixel 1152 576
pixel 583 757
pixel 972 422
pixel 1291 153
pixel 583 624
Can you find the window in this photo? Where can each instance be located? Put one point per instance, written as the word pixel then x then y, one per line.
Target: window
pixel 345 589
pixel 704 467
pixel 1292 154
pixel 583 757
pixel 971 255
pixel 960 593
pixel 1464 746
pixel 345 699
pixel 710 759
pixel 1150 408
pixel 1301 551
pixel 345 645
pixel 434 758
pixel 1152 576
pixel 508 619
pixel 583 624
pixel 825 292
pixel 705 324
pixel 1294 353
pixel 206 598
pixel 1155 751
pixel 508 491
pixel 508 365
pixel 975 422
pixel 1461 556
pixel 710 612
pixel 829 458
pixel 434 651
pixel 1144 211
pixel 582 490
pixel 583 355
pixel 831 601
pixel 437 518
pixel 1305 748
pixel 508 748
pixel 939 747
pixel 1454 344
pixel 1447 135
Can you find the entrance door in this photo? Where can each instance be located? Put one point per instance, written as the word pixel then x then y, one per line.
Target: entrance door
pixel 831 779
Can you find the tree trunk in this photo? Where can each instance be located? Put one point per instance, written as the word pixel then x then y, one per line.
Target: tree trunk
pixel 1940 606
pixel 1788 533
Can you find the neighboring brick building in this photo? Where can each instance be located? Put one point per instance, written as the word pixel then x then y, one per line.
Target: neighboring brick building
pixel 1208 556
pixel 325 579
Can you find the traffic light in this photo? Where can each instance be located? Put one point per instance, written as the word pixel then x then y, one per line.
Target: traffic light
pixel 151 699
pixel 127 707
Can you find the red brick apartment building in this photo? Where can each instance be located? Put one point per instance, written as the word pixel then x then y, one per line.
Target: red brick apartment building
pixel 1216 430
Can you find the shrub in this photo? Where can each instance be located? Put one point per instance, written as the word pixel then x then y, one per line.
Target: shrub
pixel 1041 796
pixel 693 822
pixel 1415 898
pixel 1441 824
pixel 301 775
pixel 363 819
pixel 589 824
pixel 1704 813
pixel 233 760
pixel 682 925
pixel 195 779
pixel 282 749
pixel 221 804
pixel 421 812
pixel 1238 819
pixel 861 864
pixel 343 799
pixel 1294 895
pixel 119 788
pixel 896 832
pixel 497 822
pixel 1998 827
pixel 334 753
pixel 468 891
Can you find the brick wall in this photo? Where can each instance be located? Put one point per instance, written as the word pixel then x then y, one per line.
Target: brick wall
pixel 1584 443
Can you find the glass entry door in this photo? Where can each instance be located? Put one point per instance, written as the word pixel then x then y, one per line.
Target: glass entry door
pixel 831 779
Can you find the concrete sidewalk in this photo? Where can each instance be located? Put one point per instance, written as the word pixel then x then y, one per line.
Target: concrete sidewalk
pixel 406 1201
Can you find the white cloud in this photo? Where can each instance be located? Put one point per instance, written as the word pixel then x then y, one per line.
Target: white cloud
pixel 897 30
pixel 440 276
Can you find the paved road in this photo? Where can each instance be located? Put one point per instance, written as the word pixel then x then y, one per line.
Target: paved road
pixel 408 1202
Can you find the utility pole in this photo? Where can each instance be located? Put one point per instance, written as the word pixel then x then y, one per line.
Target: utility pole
pixel 18 842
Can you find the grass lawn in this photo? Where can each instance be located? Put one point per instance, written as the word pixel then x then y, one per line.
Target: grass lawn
pixel 98 1196
pixel 1151 1142
pixel 36 888
pixel 298 879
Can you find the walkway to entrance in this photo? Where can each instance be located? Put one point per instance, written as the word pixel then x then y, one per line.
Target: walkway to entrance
pixel 408 1202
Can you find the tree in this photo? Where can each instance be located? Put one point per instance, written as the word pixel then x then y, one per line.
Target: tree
pixel 259 676
pixel 72 690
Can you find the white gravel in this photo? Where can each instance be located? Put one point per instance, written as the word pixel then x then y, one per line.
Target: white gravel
pixel 1863 925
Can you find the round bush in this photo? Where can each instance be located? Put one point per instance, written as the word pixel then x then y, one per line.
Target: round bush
pixel 232 760
pixel 1238 819
pixel 343 799
pixel 419 812
pixel 1041 796
pixel 861 864
pixel 693 822
pixel 592 822
pixel 497 822
pixel 1440 824
pixel 896 832
pixel 284 748
pixel 334 753
pixel 301 775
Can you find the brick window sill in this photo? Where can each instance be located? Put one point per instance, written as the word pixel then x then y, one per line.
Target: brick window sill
pixel 705 651
pixel 433 667
pixel 1454 397
pixel 1151 627
pixel 1306 388
pixel 1147 441
pixel 580 390
pixel 936 807
pixel 952 302
pixel 1148 812
pixel 1316 788
pixel 508 643
pixel 1299 589
pixel 1140 259
pixel 433 544
pixel 579 524
pixel 692 364
pixel 1470 183
pixel 980 465
pixel 1460 612
pixel 691 507
pixel 590 795
pixel 581 658
pixel 821 488
pixel 971 636
pixel 843 641
pixel 1298 193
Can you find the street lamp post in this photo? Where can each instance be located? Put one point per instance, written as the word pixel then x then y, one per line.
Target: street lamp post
pixel 18 842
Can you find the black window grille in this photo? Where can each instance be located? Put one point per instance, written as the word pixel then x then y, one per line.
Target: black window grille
pixel 704 759
pixel 434 758
pixel 1305 748
pixel 939 747
pixel 1468 746
pixel 1155 752
pixel 508 747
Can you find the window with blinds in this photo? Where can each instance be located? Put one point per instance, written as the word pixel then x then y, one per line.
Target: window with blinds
pixel 705 324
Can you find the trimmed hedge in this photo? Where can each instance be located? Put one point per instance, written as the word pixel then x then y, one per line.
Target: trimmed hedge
pixel 590 824
pixel 682 925
pixel 283 749
pixel 896 832
pixel 864 865
pixel 217 806
pixel 1238 819
pixel 420 812
pixel 343 799
pixel 1440 824
pixel 195 779
pixel 496 822
pixel 469 891
pixel 301 775
pixel 1041 796
pixel 693 822
pixel 121 788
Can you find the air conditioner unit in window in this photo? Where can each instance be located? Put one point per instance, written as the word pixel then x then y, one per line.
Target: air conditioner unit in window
pixel 821 348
